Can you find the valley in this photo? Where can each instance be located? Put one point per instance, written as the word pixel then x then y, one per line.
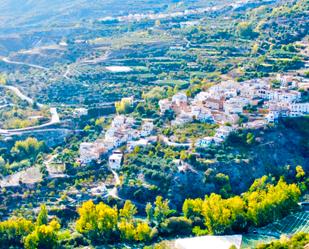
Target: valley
pixel 135 124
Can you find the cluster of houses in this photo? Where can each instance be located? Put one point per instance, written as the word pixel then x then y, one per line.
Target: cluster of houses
pixel 223 104
pixel 226 102
pixel 221 134
pixel 123 130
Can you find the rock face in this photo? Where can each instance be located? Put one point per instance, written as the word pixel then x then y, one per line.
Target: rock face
pixel 51 137
pixel 278 151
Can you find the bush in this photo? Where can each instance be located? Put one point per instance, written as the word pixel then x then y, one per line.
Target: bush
pixel 177 225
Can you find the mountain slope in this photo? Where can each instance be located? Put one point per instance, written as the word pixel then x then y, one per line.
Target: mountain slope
pixel 46 12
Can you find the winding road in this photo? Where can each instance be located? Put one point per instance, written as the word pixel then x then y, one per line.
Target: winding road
pixel 53 111
pixel 7 60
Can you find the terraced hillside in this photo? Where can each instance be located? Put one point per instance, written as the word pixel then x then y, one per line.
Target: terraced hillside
pixel 292 224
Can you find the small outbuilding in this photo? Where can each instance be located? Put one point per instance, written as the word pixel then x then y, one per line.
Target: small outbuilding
pixel 115 159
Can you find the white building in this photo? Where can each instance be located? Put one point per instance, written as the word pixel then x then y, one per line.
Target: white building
pixel 285 80
pixel 248 92
pixel 275 95
pixel 288 96
pixel 164 105
pixel 79 112
pixel 276 111
pixel 226 89
pixel 115 160
pixel 232 108
pixel 147 128
pixel 299 109
pixel 180 99
pixel 201 97
pixel 256 124
pixel 121 131
pixel 182 118
pixel 90 152
pixel 139 143
pixel 201 113
pixel 235 105
pixel 205 142
pixel 223 131
pixel 230 93
pixel 118 121
pixel 132 134
pixel 272 116
pixel 189 24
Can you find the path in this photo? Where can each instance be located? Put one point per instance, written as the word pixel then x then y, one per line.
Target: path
pixel 173 144
pixel 114 191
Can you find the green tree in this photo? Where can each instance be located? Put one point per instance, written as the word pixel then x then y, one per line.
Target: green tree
pixel 127 230
pixel 128 211
pixel 13 231
pixel 42 218
pixel 299 240
pixel 149 211
pixel 27 148
pixel 250 138
pixel 143 232
pixel 271 202
pixel 124 106
pixel 177 226
pixel 43 237
pixel 300 173
pixel 192 208
pixel 3 169
pixel 220 214
pixel 99 123
pixel 161 210
pixel 245 30
pixel 97 222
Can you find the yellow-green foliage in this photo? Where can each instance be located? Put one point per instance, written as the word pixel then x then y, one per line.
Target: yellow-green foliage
pixel 27 148
pixel 128 211
pixel 100 222
pixel 262 204
pixel 220 214
pixel 24 233
pixel 156 94
pixel 97 221
pixel 271 202
pixel 13 230
pixel 299 240
pixel 44 236
pixel 124 106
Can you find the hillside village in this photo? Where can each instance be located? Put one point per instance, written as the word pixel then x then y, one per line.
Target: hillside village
pixel 223 104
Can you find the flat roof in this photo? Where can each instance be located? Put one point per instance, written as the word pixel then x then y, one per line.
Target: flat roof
pixel 116 156
pixel 209 242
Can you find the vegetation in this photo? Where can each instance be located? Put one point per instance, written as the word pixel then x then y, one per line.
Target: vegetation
pixel 101 223
pixel 298 240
